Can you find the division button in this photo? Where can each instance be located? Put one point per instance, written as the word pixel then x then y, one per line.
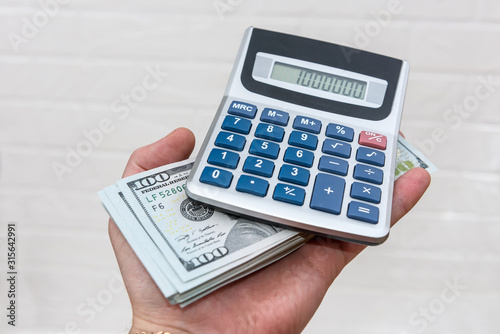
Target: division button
pixel 368 174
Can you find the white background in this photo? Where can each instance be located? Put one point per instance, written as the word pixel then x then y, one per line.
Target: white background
pixel 63 78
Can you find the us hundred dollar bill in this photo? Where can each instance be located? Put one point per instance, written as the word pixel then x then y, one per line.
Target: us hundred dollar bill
pixel 194 238
pixel 408 157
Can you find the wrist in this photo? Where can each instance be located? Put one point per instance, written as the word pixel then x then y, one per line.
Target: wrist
pixel 143 327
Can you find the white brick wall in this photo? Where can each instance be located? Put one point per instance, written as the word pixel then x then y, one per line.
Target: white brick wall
pixel 66 76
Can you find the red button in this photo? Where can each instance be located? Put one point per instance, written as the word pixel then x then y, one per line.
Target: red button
pixel 372 139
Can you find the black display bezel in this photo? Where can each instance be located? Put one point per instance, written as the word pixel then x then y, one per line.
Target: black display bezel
pixel 327 54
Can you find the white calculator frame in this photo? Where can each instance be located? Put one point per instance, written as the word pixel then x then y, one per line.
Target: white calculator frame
pixel 247 87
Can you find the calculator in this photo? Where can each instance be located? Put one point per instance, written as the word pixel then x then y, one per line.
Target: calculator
pixel 305 137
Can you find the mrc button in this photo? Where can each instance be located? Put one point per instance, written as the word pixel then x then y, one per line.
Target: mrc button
pixel 242 109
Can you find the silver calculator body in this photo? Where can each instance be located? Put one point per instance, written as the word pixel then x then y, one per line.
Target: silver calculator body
pixel 305 137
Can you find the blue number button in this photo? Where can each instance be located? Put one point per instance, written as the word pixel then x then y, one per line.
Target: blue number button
pixel 299 157
pixel 242 109
pixel 369 156
pixel 307 124
pixel 237 124
pixel 366 192
pixel 216 177
pixel 277 117
pixel 259 166
pixel 333 165
pixel 264 149
pixel 328 193
pixel 304 140
pixel 223 158
pixel 368 174
pixel 341 132
pixel 364 212
pixel 336 147
pixel 269 131
pixel 289 194
pixel 230 140
pixel 296 175
pixel 252 185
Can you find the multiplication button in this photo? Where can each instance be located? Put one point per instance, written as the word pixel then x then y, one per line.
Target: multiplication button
pixel 366 192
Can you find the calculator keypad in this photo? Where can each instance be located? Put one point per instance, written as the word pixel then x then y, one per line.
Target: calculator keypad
pixel 293 156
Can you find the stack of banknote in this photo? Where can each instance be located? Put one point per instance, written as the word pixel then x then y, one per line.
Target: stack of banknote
pixel 190 249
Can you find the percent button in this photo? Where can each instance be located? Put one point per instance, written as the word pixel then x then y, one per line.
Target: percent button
pixel 341 132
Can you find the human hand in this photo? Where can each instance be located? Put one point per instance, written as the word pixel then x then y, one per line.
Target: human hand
pixel 280 298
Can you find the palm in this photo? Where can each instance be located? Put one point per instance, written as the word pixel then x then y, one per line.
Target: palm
pixel 280 298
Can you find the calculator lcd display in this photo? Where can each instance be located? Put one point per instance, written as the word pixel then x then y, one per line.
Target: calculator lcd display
pixel 319 80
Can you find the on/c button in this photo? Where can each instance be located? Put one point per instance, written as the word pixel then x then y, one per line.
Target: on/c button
pixel 372 139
